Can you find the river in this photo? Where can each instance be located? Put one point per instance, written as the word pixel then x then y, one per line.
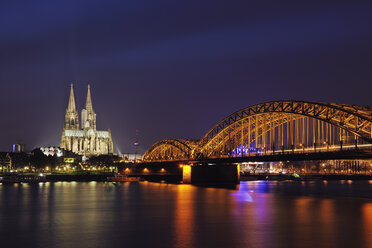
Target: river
pixel 145 214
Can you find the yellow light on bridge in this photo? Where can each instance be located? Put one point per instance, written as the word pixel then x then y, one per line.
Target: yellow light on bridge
pixel 145 170
pixel 162 170
pixel 186 177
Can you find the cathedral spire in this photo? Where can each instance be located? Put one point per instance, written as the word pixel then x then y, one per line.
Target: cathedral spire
pixel 71 101
pixel 88 105
pixel 71 116
pixel 88 117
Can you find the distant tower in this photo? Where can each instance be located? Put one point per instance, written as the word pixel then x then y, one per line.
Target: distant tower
pixel 71 116
pixel 136 145
pixel 88 116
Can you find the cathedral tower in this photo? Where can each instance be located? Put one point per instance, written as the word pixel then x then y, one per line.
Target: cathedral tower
pixel 71 116
pixel 85 140
pixel 88 116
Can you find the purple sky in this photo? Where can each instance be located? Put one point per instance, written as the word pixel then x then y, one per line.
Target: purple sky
pixel 173 69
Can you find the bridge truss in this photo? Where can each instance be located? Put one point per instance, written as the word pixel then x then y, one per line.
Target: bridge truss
pixel 272 127
pixel 171 149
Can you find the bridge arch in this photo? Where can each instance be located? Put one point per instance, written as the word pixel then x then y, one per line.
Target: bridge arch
pixel 167 149
pixel 275 126
pixel 276 119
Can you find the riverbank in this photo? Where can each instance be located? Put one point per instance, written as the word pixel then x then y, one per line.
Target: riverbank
pixel 102 176
pixel 78 177
pixel 67 177
pixel 271 177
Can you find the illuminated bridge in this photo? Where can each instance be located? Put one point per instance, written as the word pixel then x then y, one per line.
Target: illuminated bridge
pixel 274 128
pixel 276 131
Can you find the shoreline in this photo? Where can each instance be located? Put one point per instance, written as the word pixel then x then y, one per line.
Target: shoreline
pixel 59 177
pixel 309 177
pixel 102 177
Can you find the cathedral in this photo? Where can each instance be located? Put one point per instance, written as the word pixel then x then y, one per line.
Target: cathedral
pixel 84 140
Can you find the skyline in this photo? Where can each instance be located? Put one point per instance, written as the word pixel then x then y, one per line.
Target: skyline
pixel 174 70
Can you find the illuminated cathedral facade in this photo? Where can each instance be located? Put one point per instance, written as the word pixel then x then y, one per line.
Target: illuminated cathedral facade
pixel 84 139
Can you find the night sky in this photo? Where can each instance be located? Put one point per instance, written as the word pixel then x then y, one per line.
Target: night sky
pixel 173 68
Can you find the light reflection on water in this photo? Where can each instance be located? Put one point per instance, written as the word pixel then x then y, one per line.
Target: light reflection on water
pixel 257 214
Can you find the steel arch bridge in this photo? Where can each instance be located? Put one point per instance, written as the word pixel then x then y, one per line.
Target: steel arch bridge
pixel 171 149
pixel 276 126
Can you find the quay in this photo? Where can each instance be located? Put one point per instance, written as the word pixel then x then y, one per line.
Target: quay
pixel 63 177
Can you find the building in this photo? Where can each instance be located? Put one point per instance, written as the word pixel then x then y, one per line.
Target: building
pixel 84 140
pixel 18 147
pixel 131 156
pixel 51 151
pixel 5 161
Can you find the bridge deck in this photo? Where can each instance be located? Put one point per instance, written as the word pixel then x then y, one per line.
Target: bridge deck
pixel 287 155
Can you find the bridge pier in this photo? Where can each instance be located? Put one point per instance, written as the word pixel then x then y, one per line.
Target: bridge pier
pixel 212 174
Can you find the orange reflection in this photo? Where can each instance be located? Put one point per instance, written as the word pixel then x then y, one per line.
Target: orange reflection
pixel 303 217
pixel 184 216
pixel 367 218
pixel 326 210
pixel 302 209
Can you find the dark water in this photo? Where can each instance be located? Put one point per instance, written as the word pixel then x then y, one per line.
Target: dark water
pixel 258 214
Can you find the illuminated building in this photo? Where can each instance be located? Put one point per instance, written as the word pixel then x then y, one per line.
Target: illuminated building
pixel 18 147
pixel 51 151
pixel 131 156
pixel 84 140
pixel 5 161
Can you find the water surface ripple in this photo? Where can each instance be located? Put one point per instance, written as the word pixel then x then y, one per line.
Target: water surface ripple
pixel 144 214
